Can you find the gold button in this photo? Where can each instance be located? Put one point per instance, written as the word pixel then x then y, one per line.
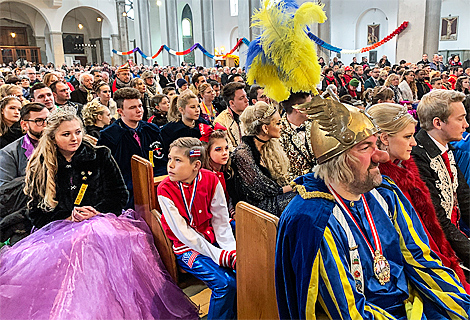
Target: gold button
pixel 351 204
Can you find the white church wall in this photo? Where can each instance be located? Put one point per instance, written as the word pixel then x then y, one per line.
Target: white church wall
pixel 349 20
pixel 461 9
pixel 224 24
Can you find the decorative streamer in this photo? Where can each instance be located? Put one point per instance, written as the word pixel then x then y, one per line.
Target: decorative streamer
pixel 245 41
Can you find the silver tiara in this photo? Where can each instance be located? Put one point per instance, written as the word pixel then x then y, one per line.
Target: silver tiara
pixel 403 112
pixel 11 96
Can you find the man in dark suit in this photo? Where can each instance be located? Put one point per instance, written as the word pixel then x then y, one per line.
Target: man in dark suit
pixel 373 80
pixel 442 117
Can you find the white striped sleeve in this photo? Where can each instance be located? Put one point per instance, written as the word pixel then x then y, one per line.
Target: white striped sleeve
pixel 185 233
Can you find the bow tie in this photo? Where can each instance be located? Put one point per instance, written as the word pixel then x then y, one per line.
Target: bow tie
pixel 300 129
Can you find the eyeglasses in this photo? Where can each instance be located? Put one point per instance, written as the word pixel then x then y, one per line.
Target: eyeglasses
pixel 38 121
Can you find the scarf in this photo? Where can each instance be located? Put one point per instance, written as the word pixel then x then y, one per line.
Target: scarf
pixel 89 93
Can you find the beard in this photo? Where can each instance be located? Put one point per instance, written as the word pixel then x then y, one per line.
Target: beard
pixel 363 184
pixel 35 134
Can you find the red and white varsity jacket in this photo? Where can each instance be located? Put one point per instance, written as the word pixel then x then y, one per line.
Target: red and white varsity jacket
pixel 208 221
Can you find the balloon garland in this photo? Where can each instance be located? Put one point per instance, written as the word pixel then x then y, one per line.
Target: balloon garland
pixel 245 41
pixel 183 53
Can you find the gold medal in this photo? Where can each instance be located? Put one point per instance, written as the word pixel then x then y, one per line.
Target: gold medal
pixel 381 268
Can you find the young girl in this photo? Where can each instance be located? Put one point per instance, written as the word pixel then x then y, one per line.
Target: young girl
pixel 218 158
pixel 95 117
pixel 84 262
pixel 207 95
pixel 184 117
pixel 196 220
pixel 10 128
pixel 159 104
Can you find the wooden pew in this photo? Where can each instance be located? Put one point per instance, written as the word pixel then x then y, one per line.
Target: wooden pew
pixel 256 245
pixel 146 204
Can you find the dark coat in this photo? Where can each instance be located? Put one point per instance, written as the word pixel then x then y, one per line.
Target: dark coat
pixel 425 152
pixel 174 130
pixel 14 132
pixel 90 165
pixel 370 83
pixel 79 96
pixel 93 131
pixel 120 140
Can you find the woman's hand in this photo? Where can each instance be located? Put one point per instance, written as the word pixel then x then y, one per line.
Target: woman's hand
pixel 286 189
pixel 83 213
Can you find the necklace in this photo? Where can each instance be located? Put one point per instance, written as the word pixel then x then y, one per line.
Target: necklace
pixel 381 265
pixel 193 195
pixel 260 140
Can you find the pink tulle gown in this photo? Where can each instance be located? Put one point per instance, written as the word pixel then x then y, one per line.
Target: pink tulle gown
pixel 102 268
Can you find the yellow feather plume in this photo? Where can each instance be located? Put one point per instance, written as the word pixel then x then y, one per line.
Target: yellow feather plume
pixel 294 66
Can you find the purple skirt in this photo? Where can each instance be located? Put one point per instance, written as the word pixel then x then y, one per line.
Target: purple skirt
pixel 103 268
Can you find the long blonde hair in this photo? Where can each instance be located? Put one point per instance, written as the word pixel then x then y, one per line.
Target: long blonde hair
pixel 272 153
pixel 41 170
pixel 177 102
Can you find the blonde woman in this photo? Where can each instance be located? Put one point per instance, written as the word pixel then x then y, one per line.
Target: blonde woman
pixel 184 118
pixel 81 252
pixel 10 128
pixel 95 117
pixel 207 95
pixel 103 97
pixel 408 87
pixel 396 137
pixel 259 162
pixel 392 82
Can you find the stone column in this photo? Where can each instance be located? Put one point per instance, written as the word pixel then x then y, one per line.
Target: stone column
pixel 41 43
pixel 122 37
pixel 115 59
pixel 433 20
pixel 57 48
pixel 245 11
pixel 203 30
pixel 106 49
pixel 142 29
pixel 169 28
pixel 324 32
pixel 410 43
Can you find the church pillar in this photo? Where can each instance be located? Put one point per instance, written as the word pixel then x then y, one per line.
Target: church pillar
pixel 142 29
pixel 122 39
pixel 57 48
pixel 169 29
pixel 203 30
pixel 433 20
pixel 106 49
pixel 245 11
pixel 410 43
pixel 41 43
pixel 324 32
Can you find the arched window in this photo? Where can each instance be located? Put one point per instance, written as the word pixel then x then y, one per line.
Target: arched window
pixel 186 25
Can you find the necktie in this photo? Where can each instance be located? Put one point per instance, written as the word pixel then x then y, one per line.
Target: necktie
pixel 136 137
pixel 445 156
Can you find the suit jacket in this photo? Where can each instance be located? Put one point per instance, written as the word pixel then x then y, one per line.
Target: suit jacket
pixel 13 161
pixel 370 83
pixel 234 133
pixel 434 173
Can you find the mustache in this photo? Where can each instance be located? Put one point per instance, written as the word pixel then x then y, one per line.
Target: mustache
pixel 373 165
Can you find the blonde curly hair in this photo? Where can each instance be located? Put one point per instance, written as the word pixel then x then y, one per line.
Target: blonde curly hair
pixel 272 153
pixel 42 166
pixel 91 111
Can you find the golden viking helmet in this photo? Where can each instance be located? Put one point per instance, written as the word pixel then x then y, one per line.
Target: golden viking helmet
pixel 336 127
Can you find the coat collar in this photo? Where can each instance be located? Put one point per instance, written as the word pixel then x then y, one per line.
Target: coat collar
pixel 424 141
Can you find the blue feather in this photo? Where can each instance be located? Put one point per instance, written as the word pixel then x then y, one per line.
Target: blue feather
pixel 254 49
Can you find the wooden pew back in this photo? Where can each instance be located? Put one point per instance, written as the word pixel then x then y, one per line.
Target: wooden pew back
pixel 256 246
pixel 144 198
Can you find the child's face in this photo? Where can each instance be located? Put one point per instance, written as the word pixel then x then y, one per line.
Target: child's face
pixel 191 110
pixel 219 152
pixel 180 168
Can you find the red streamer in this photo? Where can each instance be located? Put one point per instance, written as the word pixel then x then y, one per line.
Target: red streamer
pixel 240 41
pixel 396 32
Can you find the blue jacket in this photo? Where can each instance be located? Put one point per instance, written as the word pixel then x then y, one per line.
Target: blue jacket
pixel 313 261
pixel 119 138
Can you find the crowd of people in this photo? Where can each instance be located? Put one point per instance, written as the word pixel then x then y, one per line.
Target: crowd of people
pixel 67 136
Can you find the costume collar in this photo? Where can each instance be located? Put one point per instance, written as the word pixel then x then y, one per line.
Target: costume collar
pixel 438 144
